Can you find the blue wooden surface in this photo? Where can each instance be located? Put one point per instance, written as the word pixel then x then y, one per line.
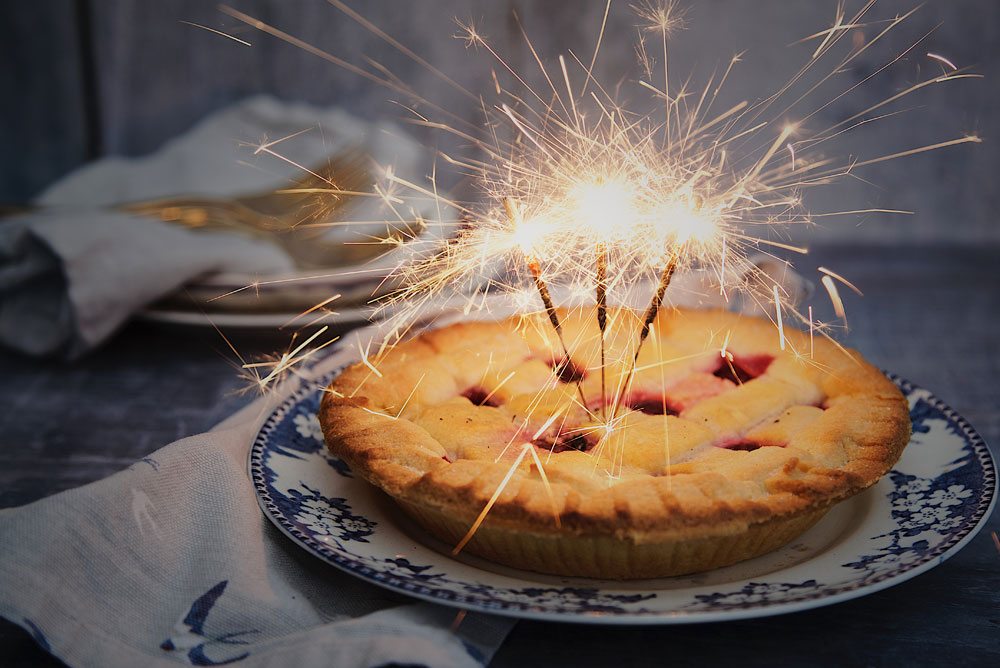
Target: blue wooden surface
pixel 929 314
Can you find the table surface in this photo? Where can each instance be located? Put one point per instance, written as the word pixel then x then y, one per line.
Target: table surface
pixel 929 315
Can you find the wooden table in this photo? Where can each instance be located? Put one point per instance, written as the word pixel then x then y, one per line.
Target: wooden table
pixel 930 315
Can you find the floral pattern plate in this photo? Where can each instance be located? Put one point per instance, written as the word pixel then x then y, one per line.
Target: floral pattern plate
pixel 927 508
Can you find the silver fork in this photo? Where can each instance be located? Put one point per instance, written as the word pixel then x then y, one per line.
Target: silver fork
pixel 280 217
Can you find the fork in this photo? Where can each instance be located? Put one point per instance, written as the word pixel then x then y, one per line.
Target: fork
pixel 278 216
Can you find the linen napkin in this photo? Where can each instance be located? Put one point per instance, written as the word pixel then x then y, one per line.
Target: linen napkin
pixel 171 562
pixel 75 269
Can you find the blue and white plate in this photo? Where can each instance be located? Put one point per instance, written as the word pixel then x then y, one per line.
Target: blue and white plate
pixel 925 510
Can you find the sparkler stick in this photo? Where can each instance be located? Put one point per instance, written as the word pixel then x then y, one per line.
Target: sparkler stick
pixel 536 275
pixel 657 300
pixel 602 313
pixel 650 315
pixel 543 291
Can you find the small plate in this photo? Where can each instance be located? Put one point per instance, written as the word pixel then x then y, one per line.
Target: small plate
pixel 938 496
pixel 342 319
pixel 254 301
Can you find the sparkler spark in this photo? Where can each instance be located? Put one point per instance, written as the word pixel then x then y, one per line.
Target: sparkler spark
pixel 943 60
pixel 841 279
pixel 831 288
pixel 228 36
pixel 267 374
pixel 777 311
pixel 812 329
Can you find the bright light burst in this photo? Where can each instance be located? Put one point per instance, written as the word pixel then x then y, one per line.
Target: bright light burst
pixel 586 192
pixel 576 184
pixel 585 186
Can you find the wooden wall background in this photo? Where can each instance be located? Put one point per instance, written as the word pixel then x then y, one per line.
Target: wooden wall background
pixel 86 78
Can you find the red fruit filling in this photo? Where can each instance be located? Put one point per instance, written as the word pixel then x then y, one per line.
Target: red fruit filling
pixel 565 441
pixel 682 395
pixel 651 405
pixel 743 368
pixel 695 389
pixel 746 446
pixel 480 397
pixel 567 371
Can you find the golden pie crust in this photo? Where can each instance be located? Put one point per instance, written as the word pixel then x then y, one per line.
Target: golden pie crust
pixel 726 447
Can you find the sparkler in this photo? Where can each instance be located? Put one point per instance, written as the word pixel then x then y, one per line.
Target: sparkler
pixel 602 315
pixel 543 291
pixel 650 315
pixel 536 275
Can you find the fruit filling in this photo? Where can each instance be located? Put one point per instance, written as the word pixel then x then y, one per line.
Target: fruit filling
pixel 749 446
pixel 564 441
pixel 741 368
pixel 480 397
pixel 694 389
pixel 567 371
pixel 651 404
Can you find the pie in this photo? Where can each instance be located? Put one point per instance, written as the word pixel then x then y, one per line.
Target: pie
pixel 728 439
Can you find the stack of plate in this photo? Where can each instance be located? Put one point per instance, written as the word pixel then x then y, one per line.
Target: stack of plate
pixel 344 249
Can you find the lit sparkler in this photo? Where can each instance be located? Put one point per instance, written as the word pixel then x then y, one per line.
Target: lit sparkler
pixel 650 315
pixel 591 179
pixel 602 315
pixel 543 291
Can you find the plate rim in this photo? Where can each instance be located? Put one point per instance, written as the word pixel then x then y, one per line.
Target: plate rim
pixel 900 574
pixel 348 317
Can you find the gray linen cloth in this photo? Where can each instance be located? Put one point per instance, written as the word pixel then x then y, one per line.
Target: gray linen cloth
pixel 74 270
pixel 170 562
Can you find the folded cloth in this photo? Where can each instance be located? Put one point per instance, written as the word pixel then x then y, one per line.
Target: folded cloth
pixel 68 280
pixel 76 269
pixel 171 562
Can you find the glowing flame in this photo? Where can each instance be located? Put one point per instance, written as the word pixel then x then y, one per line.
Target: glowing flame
pixel 606 208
